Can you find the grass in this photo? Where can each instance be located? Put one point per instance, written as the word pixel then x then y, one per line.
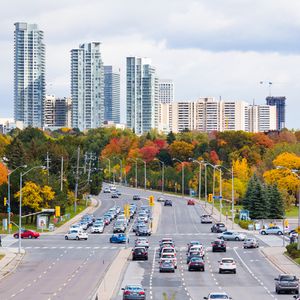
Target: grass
pixel 69 210
pixel 292 212
pixel 1 256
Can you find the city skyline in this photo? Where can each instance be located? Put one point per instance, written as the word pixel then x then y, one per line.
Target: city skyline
pixel 251 54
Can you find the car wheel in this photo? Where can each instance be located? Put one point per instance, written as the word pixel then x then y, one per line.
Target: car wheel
pixel 279 233
pixel 213 250
pixel 234 271
pixel 86 239
pixel 189 269
pixel 237 239
pixel 203 270
pixel 77 238
pixel 66 238
pixel 263 233
pixel 220 271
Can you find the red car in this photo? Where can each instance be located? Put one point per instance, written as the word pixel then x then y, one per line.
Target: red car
pixel 191 202
pixel 29 234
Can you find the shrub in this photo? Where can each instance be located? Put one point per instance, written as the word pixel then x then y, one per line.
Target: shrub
pixel 292 250
pixel 244 223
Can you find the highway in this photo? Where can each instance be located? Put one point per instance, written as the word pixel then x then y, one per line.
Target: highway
pixel 54 268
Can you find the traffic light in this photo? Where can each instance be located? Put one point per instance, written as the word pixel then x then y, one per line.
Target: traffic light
pixel 5 201
pixel 57 211
pixel 151 200
pixel 210 197
pixel 126 211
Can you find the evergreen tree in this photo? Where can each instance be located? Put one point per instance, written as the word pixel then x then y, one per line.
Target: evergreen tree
pixel 276 206
pixel 16 154
pixel 171 137
pixel 247 201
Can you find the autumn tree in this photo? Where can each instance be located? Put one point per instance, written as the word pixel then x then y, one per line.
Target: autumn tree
pixel 181 150
pixel 3 173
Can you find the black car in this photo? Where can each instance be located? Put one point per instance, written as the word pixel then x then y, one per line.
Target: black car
pixel 168 203
pixel 218 228
pixel 139 253
pixel 218 245
pixel 114 195
pixel 136 197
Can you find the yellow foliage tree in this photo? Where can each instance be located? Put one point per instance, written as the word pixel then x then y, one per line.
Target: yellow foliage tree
pixel 241 170
pixel 287 160
pixel 3 173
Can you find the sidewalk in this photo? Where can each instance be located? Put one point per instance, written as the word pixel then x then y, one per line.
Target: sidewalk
pixel 10 261
pixel 285 265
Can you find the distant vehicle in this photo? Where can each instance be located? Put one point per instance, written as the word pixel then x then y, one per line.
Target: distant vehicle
pixel 142 242
pixel 272 230
pixel 167 249
pixel 106 190
pixel 191 202
pixel 139 253
pixel 27 234
pixel 169 257
pixel 160 199
pixel 143 231
pixel 217 295
pixel 133 292
pixel 191 244
pixel 193 254
pixel 118 238
pixel 251 243
pixel 97 228
pixel 199 249
pixel 287 283
pixel 114 195
pixel 118 192
pixel 166 240
pixel 196 264
pixel 166 266
pixel 218 228
pixel 113 188
pixel 232 236
pixel 136 197
pixel 168 203
pixel 227 265
pixel 76 235
pixel 119 227
pixel 206 219
pixel 218 245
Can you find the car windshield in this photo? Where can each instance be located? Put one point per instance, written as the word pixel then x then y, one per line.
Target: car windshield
pixel 196 259
pixel 218 297
pixel 227 261
pixel 134 288
pixel 287 278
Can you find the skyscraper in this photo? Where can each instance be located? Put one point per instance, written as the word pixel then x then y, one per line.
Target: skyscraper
pixel 87 86
pixel 29 75
pixel 279 102
pixel 111 94
pixel 142 95
pixel 166 91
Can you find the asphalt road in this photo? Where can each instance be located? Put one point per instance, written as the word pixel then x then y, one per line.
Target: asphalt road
pixel 254 278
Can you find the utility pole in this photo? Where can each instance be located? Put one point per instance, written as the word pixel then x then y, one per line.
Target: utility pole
pixel 77 178
pixel 205 171
pixel 89 170
pixel 221 204
pixel 48 165
pixel 61 173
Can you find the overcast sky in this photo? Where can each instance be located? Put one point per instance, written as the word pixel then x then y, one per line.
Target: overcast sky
pixel 208 47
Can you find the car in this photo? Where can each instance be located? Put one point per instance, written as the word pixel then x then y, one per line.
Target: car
pixel 227 265
pixel 76 235
pixel 196 263
pixel 218 228
pixel 160 199
pixel 119 227
pixel 286 283
pixel 272 230
pixel 166 266
pixel 106 190
pixel 166 240
pixel 192 254
pixel 142 242
pixel 191 244
pixel 84 225
pixel 218 295
pixel 168 203
pixel 112 188
pixel 27 234
pixel 218 245
pixel 167 249
pixel 97 228
pixel 118 192
pixel 106 220
pixel 232 236
pixel 118 238
pixel 133 292
pixel 169 257
pixel 143 231
pixel 114 195
pixel 136 197
pixel 191 202
pixel 251 243
pixel 206 219
pixel 139 253
pixel 198 249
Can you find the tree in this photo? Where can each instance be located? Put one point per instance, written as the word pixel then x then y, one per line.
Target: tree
pixel 181 150
pixel 171 138
pixel 3 173
pixel 276 206
pixel 16 154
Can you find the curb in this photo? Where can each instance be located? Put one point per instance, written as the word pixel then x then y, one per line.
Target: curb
pixel 11 265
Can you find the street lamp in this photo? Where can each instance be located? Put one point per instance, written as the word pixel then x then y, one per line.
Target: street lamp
pixel 135 170
pixel 145 171
pixel 295 172
pixel 200 170
pixel 182 175
pixel 8 193
pixel 162 175
pixel 108 167
pixel 214 181
pixel 20 204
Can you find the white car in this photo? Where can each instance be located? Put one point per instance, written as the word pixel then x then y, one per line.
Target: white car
pixel 197 248
pixel 75 227
pixel 217 295
pixel 76 235
pixel 97 228
pixel 166 250
pixel 169 257
pixel 142 242
pixel 227 265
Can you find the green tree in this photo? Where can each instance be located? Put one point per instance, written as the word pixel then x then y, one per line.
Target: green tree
pixel 171 137
pixel 276 205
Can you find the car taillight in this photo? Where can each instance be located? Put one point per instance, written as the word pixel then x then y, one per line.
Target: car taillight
pixel 126 293
pixel 142 293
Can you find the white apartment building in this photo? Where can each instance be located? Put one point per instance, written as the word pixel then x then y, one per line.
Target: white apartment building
pixel 166 90
pixel 207 114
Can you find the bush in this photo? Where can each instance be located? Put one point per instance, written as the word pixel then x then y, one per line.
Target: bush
pixel 292 251
pixel 245 223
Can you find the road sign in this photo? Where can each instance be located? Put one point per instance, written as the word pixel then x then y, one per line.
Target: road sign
pixel 210 196
pixel 151 200
pixel 5 201
pixel 57 211
pixel 217 197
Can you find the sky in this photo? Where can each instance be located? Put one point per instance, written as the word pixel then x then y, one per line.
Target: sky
pixel 208 47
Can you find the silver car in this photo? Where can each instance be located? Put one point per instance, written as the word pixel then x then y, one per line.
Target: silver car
pixel 232 236
pixel 251 243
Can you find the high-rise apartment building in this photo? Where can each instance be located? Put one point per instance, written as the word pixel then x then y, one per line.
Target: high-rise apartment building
pixel 166 90
pixel 111 94
pixel 142 95
pixel 29 74
pixel 57 112
pixel 87 86
pixel 279 102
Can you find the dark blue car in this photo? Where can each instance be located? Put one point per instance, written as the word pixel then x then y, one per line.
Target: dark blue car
pixel 118 238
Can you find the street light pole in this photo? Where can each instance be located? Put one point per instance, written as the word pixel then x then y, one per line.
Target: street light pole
pixel 145 172
pixel 199 179
pixel 205 170
pixel 221 204
pixel 162 174
pixel 232 196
